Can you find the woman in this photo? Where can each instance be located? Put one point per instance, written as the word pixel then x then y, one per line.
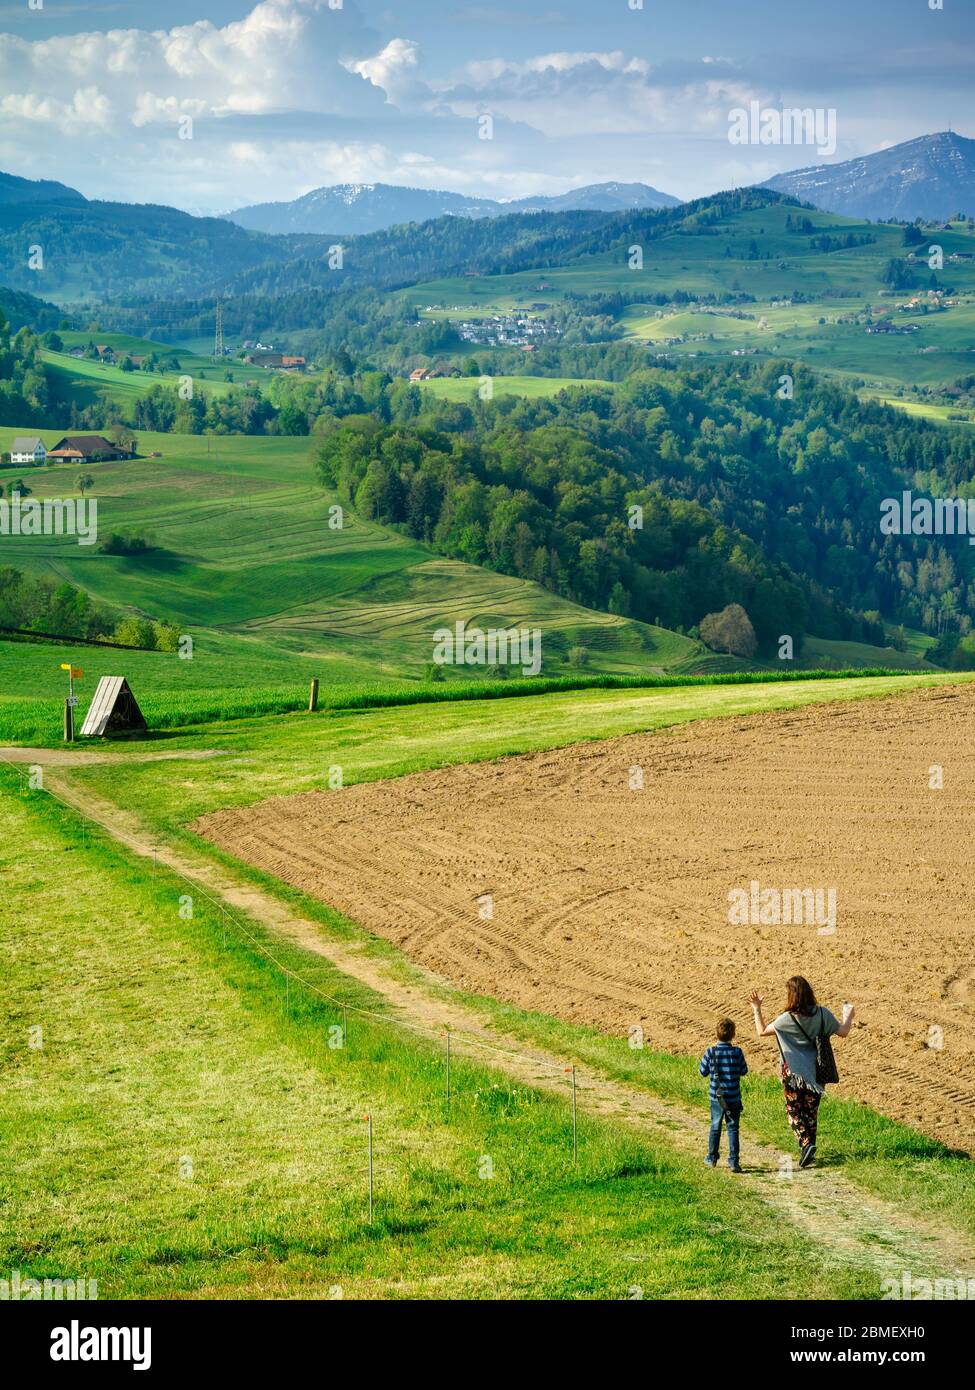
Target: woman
pixel 796 1031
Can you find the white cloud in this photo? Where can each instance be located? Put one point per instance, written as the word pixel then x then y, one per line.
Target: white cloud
pixel 86 109
pixel 611 93
pixel 284 52
pixel 387 69
pixel 295 94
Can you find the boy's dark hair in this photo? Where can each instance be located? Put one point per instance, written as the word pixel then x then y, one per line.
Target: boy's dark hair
pixel 726 1029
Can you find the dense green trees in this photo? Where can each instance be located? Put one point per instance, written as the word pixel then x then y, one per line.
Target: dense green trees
pixel 23 384
pixel 49 605
pixel 673 496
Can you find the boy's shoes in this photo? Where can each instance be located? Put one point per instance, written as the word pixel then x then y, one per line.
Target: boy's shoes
pixel 734 1170
pixel 710 1162
pixel 807 1155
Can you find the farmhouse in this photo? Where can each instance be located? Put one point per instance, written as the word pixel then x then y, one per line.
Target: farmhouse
pixel 276 359
pixel 86 448
pixel 28 449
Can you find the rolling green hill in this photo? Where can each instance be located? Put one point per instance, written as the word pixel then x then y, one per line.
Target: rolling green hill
pixel 244 560
pixel 807 288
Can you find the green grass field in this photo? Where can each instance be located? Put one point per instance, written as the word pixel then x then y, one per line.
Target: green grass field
pixel 185 1129
pixel 531 387
pixel 246 563
pixel 86 382
pixel 174 1127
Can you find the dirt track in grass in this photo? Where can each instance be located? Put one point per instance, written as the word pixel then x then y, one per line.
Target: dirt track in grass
pixel 609 906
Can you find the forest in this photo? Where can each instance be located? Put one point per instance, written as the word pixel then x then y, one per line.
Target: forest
pixel 745 497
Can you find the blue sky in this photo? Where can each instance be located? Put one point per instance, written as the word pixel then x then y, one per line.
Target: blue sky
pixel 226 102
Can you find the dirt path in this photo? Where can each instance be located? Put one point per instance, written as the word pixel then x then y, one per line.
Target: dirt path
pixel 860 1229
pixel 86 757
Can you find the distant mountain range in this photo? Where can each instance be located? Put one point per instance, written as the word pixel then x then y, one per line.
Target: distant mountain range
pixel 348 209
pixel 932 177
pixel 97 250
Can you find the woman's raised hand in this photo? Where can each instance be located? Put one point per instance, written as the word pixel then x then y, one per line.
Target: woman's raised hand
pixel 755 999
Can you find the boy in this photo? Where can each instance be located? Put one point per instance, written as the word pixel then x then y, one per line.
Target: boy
pixel 726 1065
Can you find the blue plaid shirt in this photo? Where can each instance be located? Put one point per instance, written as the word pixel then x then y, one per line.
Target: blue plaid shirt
pixel 726 1063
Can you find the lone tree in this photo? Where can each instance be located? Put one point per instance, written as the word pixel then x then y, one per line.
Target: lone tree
pixel 729 631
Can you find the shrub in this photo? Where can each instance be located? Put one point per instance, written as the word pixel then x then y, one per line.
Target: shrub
pixel 729 631
pixel 135 632
pixel 125 543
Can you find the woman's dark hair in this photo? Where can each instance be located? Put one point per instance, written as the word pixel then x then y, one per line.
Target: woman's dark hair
pixel 800 998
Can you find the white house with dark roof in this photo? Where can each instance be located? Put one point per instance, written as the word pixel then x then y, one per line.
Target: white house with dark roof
pixel 28 449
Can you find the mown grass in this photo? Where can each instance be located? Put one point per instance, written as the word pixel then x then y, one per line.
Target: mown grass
pixel 244 560
pixel 38 721
pixel 181 1132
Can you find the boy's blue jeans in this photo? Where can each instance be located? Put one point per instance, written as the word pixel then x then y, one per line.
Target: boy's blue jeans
pixel 717 1115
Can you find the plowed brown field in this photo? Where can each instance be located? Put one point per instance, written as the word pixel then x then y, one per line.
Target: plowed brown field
pixel 611 905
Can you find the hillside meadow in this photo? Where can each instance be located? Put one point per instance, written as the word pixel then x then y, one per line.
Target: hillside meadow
pixel 245 558
pixel 800 292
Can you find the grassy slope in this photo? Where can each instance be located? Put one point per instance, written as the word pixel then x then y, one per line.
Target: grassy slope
pixel 180 1133
pixel 697 263
pixel 248 565
pixel 89 382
